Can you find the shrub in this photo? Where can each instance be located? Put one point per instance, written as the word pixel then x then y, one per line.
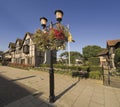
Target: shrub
pixel 94 61
pixel 63 72
pixel 22 66
pixel 95 74
pixel 73 70
pixel 118 69
pixel 75 74
pixel 44 65
pixel 95 68
pixel 4 63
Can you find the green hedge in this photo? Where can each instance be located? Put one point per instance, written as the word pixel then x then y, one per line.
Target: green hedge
pixel 84 68
pixel 95 68
pixel 95 72
pixel 94 61
pixel 95 75
pixel 118 69
pixel 44 65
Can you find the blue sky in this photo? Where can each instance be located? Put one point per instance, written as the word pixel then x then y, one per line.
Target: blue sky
pixel 92 22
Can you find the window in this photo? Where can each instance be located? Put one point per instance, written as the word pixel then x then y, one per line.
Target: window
pixel 27 41
pixel 26 49
pixel 30 60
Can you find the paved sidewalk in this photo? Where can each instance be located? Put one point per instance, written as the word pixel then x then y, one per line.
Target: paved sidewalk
pixel 33 90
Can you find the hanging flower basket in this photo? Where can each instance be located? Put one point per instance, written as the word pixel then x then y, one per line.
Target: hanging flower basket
pixel 55 39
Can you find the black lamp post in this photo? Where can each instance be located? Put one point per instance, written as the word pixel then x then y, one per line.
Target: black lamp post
pixel 43 20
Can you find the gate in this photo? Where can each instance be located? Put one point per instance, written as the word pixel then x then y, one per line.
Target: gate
pixel 110 79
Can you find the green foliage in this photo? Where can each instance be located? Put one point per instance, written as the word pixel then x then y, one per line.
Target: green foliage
pixel 53 38
pixel 73 56
pixel 91 51
pixel 63 72
pixel 117 74
pixel 118 69
pixel 64 55
pixel 117 57
pixel 1 53
pixel 95 74
pixel 95 68
pixel 75 74
pixel 21 66
pixel 94 61
pixel 75 68
pixel 94 71
pixel 44 65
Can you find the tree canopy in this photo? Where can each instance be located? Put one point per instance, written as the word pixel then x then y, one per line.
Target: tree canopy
pixel 73 56
pixel 117 57
pixel 91 51
pixel 1 52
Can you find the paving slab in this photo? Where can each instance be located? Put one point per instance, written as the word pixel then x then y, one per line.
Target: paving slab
pixel 69 91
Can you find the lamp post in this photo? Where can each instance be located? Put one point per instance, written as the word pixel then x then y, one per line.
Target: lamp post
pixel 43 20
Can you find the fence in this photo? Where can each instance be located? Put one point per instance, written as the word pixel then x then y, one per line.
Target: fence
pixel 110 79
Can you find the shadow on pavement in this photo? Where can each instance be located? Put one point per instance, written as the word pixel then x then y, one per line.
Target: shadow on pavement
pixel 2 71
pixel 23 78
pixel 11 91
pixel 66 90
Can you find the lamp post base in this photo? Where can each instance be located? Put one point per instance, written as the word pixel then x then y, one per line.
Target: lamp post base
pixel 51 99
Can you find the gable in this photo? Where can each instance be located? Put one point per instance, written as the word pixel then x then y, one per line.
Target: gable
pixel 11 45
pixel 18 42
pixel 27 38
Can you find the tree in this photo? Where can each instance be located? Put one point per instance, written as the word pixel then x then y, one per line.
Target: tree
pixel 91 51
pixel 1 52
pixel 117 57
pixel 94 61
pixel 73 56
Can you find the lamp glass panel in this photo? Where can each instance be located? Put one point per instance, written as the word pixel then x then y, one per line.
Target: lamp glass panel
pixel 43 21
pixel 59 15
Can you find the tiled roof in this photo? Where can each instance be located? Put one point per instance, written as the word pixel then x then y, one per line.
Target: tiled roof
pixel 103 52
pixel 112 42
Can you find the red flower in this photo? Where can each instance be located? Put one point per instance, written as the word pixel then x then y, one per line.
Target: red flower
pixel 58 34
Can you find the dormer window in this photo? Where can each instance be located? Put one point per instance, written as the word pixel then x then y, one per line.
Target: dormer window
pixel 27 41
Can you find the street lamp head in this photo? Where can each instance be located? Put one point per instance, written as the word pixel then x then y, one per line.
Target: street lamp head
pixel 43 21
pixel 59 14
